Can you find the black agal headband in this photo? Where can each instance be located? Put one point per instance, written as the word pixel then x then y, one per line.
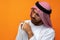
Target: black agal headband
pixel 43 9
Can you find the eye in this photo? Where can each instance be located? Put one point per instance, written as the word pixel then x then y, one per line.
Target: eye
pixel 37 14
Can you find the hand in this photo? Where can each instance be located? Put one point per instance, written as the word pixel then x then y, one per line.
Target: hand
pixel 28 30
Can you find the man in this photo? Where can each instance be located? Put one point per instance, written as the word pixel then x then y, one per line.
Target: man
pixel 39 27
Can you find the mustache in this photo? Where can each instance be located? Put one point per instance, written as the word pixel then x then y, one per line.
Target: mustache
pixel 32 17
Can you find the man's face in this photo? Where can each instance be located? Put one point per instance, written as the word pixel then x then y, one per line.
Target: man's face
pixel 35 18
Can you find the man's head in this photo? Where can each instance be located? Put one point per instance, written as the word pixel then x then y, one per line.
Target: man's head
pixel 35 18
pixel 40 13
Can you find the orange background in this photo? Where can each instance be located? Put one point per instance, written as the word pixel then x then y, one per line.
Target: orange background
pixel 12 12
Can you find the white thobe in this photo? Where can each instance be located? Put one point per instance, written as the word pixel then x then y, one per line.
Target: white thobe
pixel 40 32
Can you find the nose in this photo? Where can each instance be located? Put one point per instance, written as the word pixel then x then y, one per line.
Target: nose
pixel 33 15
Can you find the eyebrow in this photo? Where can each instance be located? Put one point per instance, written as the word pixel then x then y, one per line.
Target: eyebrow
pixel 36 13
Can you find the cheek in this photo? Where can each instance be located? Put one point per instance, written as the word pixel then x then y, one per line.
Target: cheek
pixel 38 18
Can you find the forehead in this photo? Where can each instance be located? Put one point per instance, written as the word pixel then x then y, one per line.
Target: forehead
pixel 35 10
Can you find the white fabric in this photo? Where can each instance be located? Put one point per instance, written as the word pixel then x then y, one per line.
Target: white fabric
pixel 40 32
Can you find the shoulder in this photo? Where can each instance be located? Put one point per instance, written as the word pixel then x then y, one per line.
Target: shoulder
pixel 25 21
pixel 48 31
pixel 47 34
pixel 22 23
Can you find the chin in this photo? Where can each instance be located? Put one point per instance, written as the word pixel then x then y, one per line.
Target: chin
pixel 34 22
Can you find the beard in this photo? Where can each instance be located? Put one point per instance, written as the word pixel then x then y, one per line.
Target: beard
pixel 35 22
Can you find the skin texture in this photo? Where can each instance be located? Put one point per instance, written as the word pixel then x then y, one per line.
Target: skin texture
pixel 35 19
pixel 28 30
